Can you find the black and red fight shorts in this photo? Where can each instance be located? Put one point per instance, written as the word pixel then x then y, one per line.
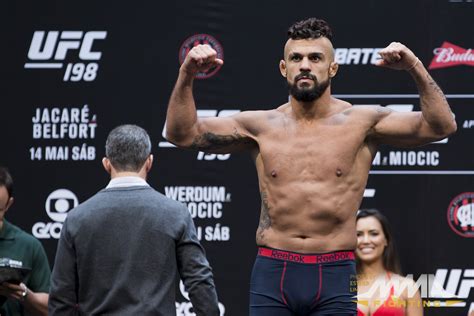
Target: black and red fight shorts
pixel 286 283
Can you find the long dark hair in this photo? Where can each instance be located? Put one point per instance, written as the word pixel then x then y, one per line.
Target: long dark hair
pixel 390 259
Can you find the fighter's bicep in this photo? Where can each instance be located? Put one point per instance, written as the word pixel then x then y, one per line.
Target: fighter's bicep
pixel 222 134
pixel 399 123
pixel 402 128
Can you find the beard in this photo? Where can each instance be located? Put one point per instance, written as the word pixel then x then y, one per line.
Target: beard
pixel 308 94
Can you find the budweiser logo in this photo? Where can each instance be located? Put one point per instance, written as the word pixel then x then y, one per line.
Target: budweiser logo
pixel 449 55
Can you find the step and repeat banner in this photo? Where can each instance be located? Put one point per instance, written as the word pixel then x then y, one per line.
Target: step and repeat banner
pixel 74 70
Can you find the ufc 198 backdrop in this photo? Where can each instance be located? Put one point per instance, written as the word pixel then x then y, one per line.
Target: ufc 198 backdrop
pixel 74 70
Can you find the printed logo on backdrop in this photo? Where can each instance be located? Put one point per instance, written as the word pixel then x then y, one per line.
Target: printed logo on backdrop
pixel 73 126
pixel 186 308
pixel 369 193
pixel 201 39
pixel 446 288
pixel 356 56
pixel 461 214
pixel 57 205
pixel 450 55
pixel 468 124
pixel 205 203
pixel 204 113
pixel 74 51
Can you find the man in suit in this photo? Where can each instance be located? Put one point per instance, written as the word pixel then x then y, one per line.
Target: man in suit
pixel 122 250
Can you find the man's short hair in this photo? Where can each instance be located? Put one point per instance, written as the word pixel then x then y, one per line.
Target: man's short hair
pixel 311 28
pixel 6 180
pixel 127 147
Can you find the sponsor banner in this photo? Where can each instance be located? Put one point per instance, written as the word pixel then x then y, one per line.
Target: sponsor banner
pixel 450 55
pixel 356 56
pixel 57 205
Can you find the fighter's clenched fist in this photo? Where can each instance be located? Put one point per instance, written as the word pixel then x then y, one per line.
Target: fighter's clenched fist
pixel 397 56
pixel 200 59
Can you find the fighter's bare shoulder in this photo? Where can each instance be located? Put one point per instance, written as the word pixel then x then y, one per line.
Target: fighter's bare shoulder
pixel 256 121
pixel 372 113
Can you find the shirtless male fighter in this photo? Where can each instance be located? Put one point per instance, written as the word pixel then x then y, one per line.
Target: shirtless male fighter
pixel 313 156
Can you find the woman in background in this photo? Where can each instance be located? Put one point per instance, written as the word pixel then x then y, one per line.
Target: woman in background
pixel 378 264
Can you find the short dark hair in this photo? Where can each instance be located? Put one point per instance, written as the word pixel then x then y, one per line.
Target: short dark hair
pixel 390 259
pixel 310 28
pixel 127 147
pixel 6 180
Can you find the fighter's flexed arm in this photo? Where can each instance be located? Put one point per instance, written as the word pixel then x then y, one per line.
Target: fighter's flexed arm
pixel 434 122
pixel 185 129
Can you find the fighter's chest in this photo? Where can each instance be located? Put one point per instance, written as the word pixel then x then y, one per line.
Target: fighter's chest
pixel 318 140
pixel 310 151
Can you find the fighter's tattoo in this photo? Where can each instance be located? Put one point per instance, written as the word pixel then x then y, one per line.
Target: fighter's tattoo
pixel 436 88
pixel 265 220
pixel 348 112
pixel 210 141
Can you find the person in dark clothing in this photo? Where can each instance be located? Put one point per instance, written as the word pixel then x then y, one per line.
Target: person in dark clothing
pixel 121 251
pixel 30 296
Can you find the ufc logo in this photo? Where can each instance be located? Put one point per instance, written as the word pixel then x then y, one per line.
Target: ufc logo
pixel 49 49
pixel 46 47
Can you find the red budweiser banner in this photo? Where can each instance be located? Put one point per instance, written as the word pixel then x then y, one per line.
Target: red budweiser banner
pixel 449 55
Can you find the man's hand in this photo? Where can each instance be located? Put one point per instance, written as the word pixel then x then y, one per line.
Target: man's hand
pixel 13 291
pixel 397 56
pixel 200 59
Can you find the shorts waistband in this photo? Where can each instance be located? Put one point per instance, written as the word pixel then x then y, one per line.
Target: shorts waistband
pixel 306 258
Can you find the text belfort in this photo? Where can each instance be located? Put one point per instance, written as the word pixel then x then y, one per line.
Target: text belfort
pixel 74 125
